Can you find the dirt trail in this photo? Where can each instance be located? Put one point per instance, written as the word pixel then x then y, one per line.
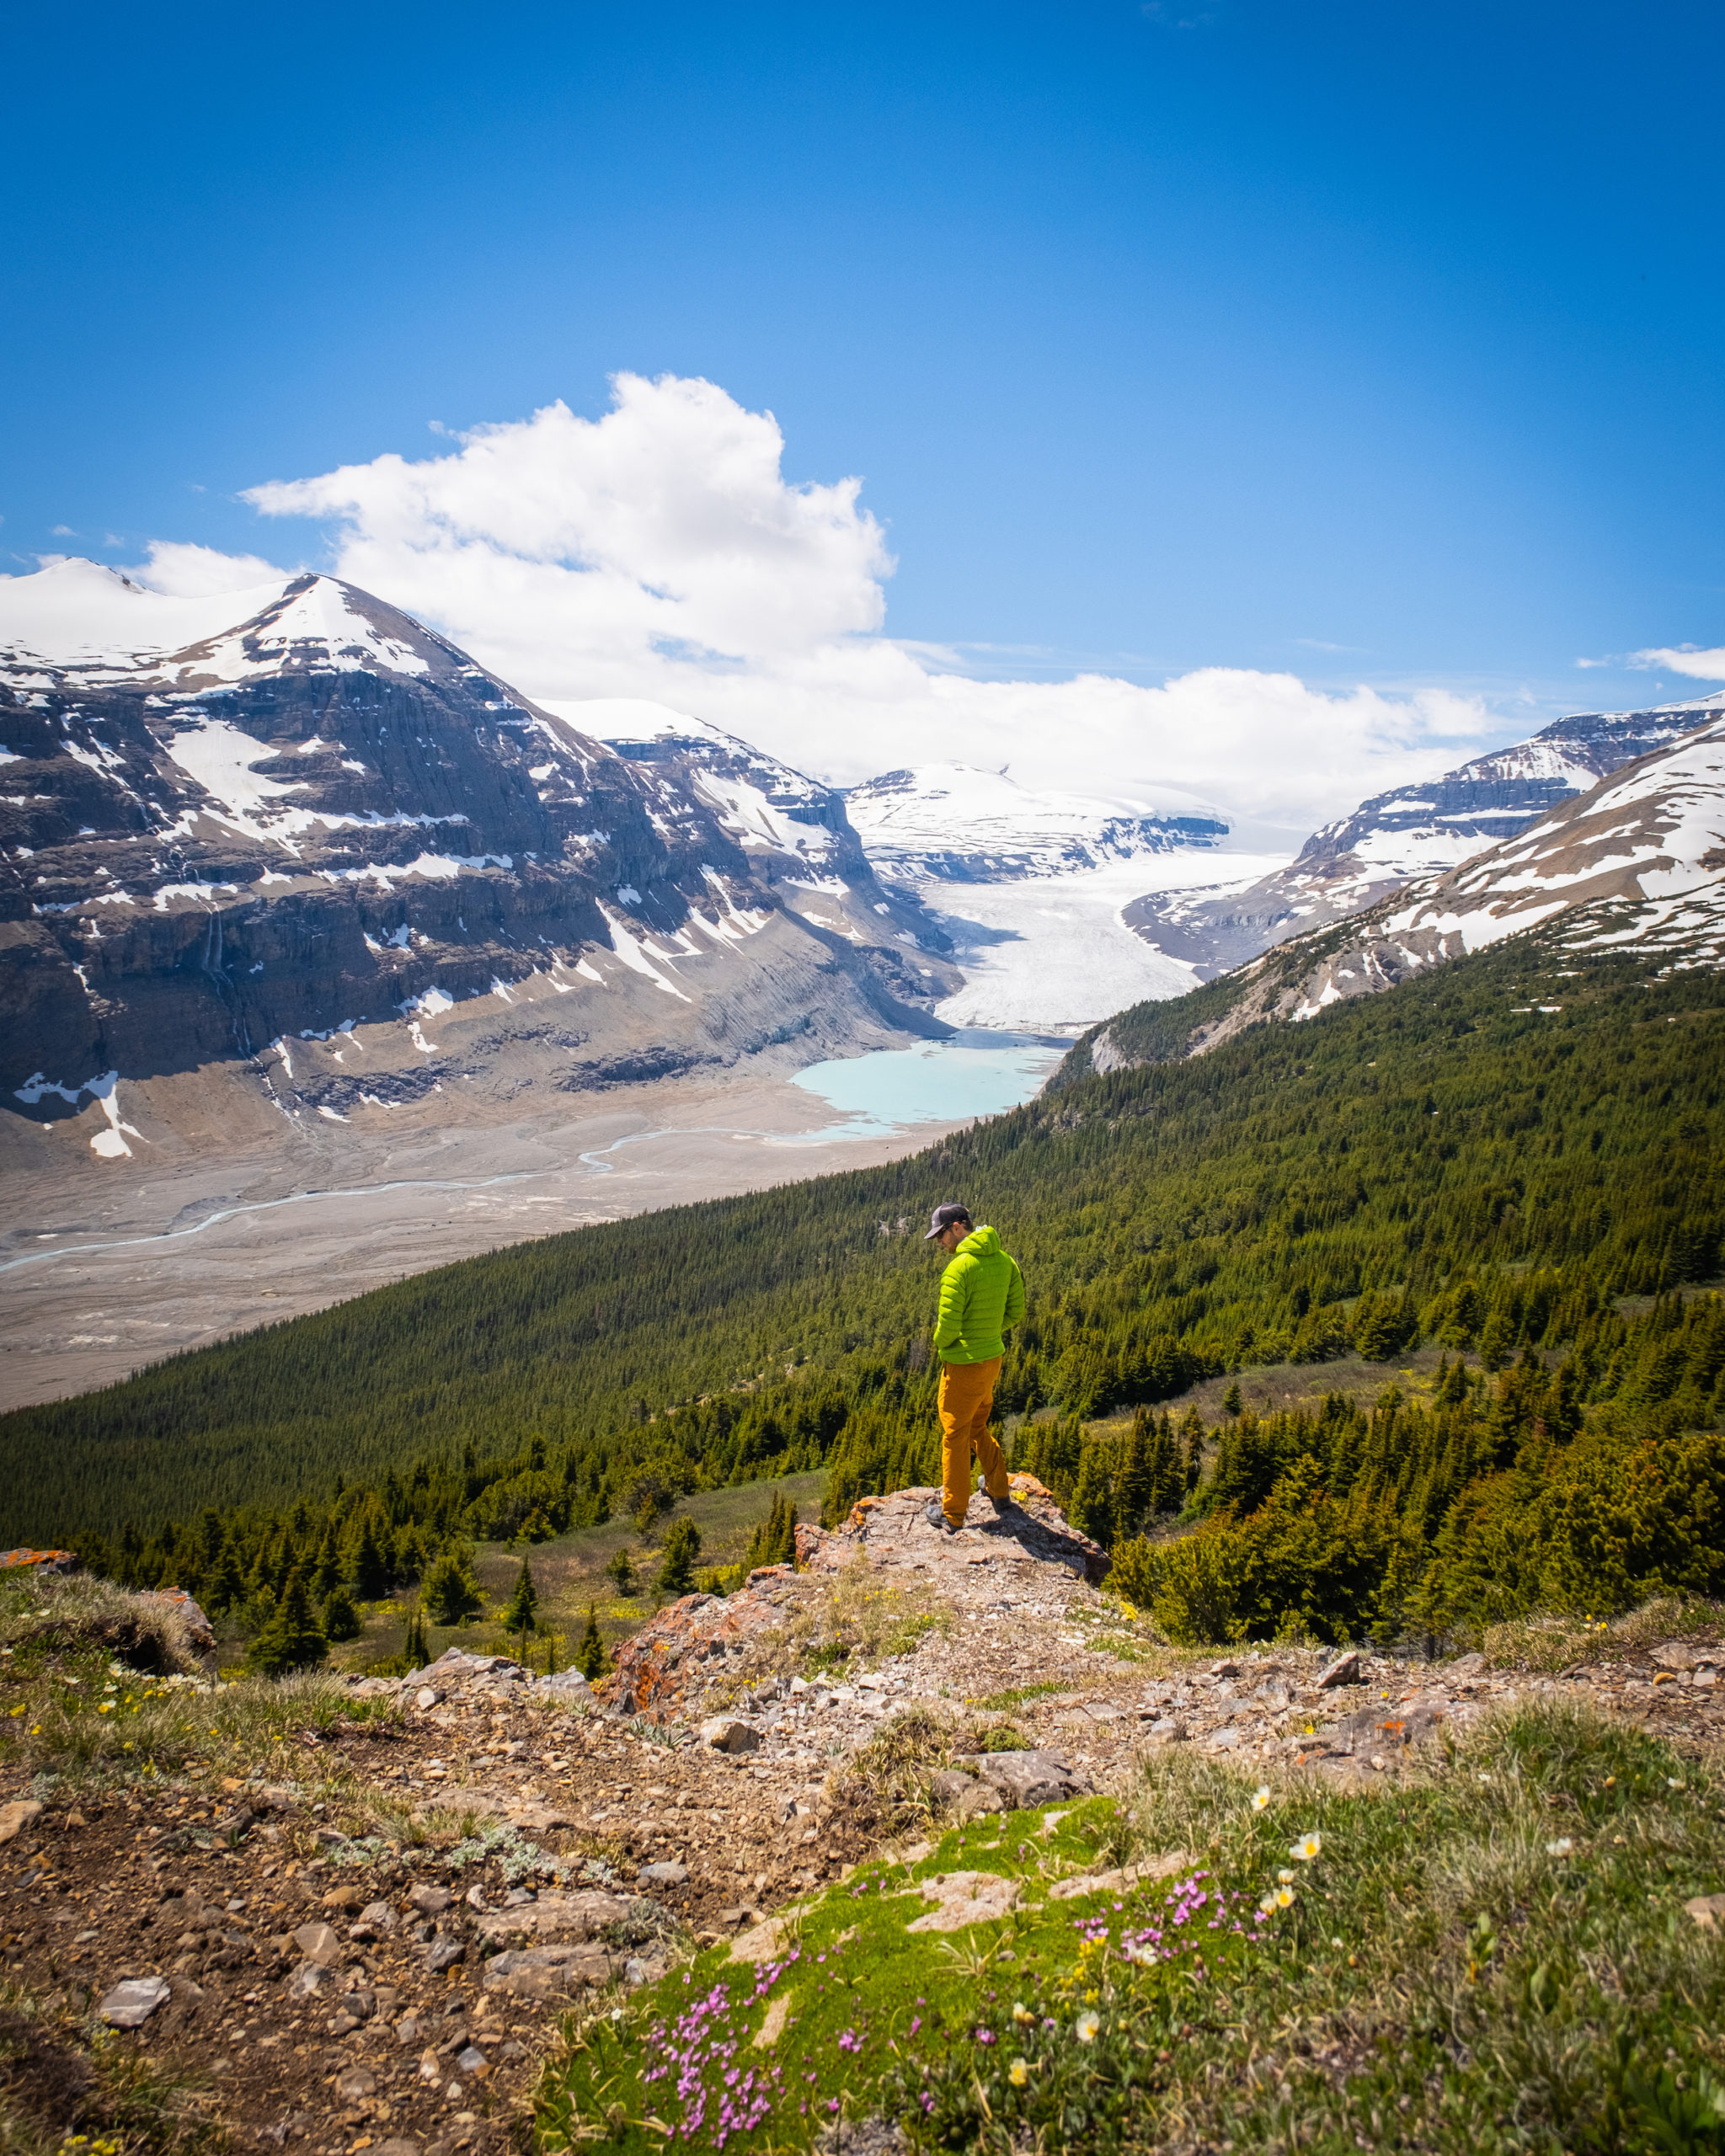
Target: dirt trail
pixel 340 1988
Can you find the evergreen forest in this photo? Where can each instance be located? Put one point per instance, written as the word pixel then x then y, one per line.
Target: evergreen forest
pixel 1516 1159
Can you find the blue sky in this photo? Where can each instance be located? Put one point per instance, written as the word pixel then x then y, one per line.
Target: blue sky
pixel 1370 343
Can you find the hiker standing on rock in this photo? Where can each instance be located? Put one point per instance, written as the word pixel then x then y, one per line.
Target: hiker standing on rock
pixel 981 1299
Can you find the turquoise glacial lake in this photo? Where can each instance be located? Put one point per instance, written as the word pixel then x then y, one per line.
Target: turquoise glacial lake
pixel 978 1072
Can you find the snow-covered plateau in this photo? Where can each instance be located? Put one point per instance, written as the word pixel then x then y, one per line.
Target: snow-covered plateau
pixel 951 823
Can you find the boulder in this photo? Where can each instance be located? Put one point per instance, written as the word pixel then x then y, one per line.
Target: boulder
pixel 568 1685
pixel 1028 1779
pixel 1345 1669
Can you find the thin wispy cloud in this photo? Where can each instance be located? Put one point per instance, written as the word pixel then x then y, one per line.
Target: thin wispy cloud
pixel 1691 659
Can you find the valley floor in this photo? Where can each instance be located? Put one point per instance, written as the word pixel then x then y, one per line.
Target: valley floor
pixel 108 1264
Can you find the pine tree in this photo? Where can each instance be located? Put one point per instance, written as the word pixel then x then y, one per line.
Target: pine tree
pixel 590 1657
pixel 1231 1398
pixel 452 1594
pixel 292 1639
pixel 523 1605
pixel 416 1651
pixel 682 1546
pixel 621 1572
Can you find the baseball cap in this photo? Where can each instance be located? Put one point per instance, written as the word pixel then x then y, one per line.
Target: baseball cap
pixel 942 1217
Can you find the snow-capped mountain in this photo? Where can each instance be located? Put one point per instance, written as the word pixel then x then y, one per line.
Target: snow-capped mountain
pixel 1416 830
pixel 951 823
pixel 293 831
pixel 1636 863
pixel 794 831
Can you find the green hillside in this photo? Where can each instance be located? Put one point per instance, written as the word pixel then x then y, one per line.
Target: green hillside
pixel 1449 1162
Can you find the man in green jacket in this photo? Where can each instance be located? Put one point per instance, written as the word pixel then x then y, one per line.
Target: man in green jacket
pixel 981 1299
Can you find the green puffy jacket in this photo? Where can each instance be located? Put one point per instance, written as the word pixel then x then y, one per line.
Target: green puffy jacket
pixel 981 1297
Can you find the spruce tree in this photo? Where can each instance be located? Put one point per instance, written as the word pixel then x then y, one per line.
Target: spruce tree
pixel 416 1650
pixel 367 1566
pixel 621 1572
pixel 523 1605
pixel 227 1585
pixel 451 1594
pixel 590 1657
pixel 326 1574
pixel 1089 1511
pixel 341 1620
pixel 682 1546
pixel 292 1639
pixel 1231 1398
pixel 1135 1489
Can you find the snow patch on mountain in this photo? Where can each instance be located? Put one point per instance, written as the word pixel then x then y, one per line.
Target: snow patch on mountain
pixel 1414 831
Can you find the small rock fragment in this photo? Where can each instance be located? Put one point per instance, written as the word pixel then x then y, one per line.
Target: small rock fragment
pixel 318 1943
pixel 1708 1910
pixel 444 1955
pixel 356 2083
pixel 374 1921
pixel 1343 1670
pixel 430 1901
pixel 14 1817
pixel 129 2004
pixel 726 1733
pixel 665 1875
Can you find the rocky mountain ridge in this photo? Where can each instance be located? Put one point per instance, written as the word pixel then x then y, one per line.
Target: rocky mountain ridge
pixel 314 841
pixel 1413 831
pixel 1636 864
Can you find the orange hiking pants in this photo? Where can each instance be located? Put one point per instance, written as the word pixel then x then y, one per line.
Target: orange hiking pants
pixel 966 1394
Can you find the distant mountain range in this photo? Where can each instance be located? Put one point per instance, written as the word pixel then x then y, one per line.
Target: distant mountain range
pixel 291 830
pixel 1414 831
pixel 1636 864
pixel 951 823
pixel 291 833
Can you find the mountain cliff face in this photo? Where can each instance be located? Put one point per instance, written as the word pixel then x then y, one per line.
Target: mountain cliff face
pixel 797 841
pixel 1414 831
pixel 951 822
pixel 1636 864
pixel 231 826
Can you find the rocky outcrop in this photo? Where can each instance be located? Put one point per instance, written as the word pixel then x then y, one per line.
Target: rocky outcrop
pixel 678 1654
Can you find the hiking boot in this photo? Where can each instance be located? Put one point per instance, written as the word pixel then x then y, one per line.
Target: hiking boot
pixel 1007 1508
pixel 936 1519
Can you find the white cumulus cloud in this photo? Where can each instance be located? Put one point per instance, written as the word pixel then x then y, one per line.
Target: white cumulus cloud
pixel 181 570
pixel 659 552
pixel 1687 659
